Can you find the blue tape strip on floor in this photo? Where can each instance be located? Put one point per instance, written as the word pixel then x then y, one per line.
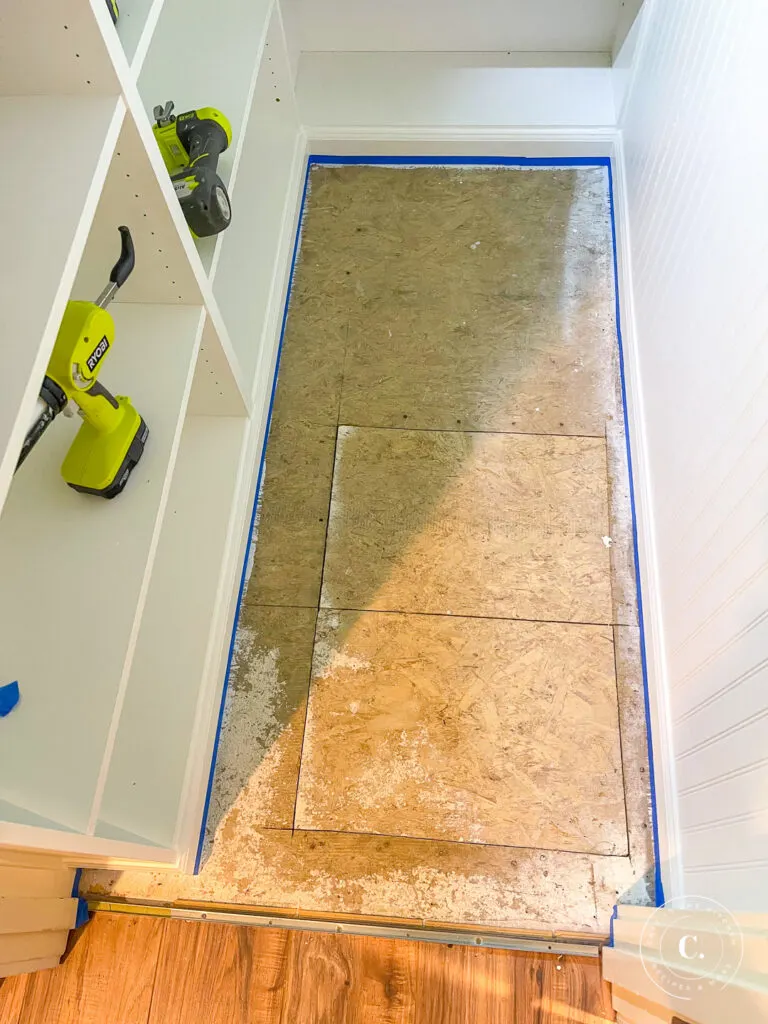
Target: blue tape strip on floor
pixel 464 161
pixel 243 579
pixel 614 915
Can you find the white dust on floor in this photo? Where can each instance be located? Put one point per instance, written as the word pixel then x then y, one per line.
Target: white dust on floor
pixel 249 755
pixel 328 660
pixel 324 872
pixel 396 765
pixel 255 529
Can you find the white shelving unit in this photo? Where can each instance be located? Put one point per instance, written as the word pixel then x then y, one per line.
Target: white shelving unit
pixel 115 617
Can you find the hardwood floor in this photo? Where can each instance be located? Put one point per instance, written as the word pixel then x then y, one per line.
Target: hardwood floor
pixel 122 969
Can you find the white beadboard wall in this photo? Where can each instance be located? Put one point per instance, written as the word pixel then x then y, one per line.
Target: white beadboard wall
pixel 695 141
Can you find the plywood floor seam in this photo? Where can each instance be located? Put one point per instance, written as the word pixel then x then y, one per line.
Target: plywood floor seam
pixel 499 618
pixel 307 830
pixel 304 725
pixel 436 707
pixel 459 430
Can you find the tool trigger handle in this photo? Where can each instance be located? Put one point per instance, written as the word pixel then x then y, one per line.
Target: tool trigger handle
pixel 122 269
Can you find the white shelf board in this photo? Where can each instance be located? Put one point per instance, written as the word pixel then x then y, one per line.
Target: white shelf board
pixel 214 389
pixel 174 238
pixel 79 849
pixel 175 668
pixel 217 59
pixel 106 830
pixel 263 201
pixel 133 196
pixel 46 214
pixel 21 816
pixel 73 571
pixel 139 141
pixel 49 48
pixel 135 25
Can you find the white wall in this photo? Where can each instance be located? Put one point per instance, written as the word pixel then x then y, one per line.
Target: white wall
pixel 696 150
pixel 457 24
pixel 442 90
pixel 624 63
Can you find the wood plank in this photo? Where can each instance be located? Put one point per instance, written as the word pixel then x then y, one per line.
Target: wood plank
pixel 12 992
pixel 237 973
pixel 144 970
pixel 561 990
pixel 458 984
pixel 244 975
pixel 355 979
pixel 106 976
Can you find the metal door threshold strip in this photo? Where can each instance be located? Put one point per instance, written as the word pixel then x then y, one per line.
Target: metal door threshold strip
pixel 524 942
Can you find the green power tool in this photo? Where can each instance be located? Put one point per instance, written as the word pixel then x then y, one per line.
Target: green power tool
pixel 111 439
pixel 191 144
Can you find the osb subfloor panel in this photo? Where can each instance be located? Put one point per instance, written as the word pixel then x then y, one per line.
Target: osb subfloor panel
pixel 471 729
pixel 435 711
pixel 502 525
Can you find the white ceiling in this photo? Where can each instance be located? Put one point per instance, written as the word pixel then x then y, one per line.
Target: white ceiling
pixel 459 25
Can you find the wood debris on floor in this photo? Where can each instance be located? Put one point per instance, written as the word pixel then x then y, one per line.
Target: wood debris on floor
pixel 436 708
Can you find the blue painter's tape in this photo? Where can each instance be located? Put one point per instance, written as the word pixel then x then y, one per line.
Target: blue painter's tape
pixel 614 915
pixel 463 161
pixel 658 883
pixel 243 579
pixel 9 698
pixel 81 917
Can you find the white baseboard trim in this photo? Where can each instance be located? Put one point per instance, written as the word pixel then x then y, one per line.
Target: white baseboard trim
pixel 667 811
pixel 458 140
pixel 657 979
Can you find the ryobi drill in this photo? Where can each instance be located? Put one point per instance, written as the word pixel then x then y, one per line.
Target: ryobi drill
pixel 111 439
pixel 190 145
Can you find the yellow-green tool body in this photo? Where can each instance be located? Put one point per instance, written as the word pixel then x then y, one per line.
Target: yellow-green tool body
pixel 191 144
pixel 111 439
